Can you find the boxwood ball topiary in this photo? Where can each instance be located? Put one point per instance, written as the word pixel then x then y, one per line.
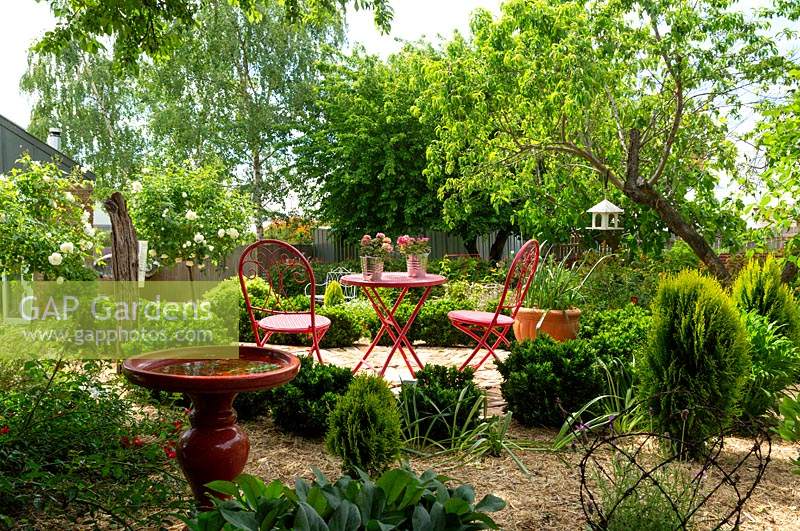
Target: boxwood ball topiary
pixel 694 369
pixel 364 429
pixel 759 288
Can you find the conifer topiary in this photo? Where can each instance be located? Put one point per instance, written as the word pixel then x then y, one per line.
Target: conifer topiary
pixel 696 364
pixel 758 288
pixel 364 428
pixel 333 294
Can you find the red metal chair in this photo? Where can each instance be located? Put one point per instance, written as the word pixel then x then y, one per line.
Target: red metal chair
pixel 484 326
pixel 280 265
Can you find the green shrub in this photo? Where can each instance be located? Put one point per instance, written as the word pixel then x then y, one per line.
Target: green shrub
pixel 434 328
pixel 696 364
pixel 542 377
pixel 304 405
pixel 220 296
pixel 775 366
pixel 617 334
pixel 364 428
pixel 758 288
pixel 399 499
pixel 73 443
pixel 333 294
pixel 618 280
pixel 442 404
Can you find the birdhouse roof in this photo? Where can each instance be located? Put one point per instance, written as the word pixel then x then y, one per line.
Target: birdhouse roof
pixel 605 207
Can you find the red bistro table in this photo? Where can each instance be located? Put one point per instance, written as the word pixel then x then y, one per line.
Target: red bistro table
pixel 386 314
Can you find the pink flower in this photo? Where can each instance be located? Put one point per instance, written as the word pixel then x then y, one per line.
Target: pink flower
pixel 365 239
pixel 387 240
pixel 404 240
pixel 380 236
pixel 387 247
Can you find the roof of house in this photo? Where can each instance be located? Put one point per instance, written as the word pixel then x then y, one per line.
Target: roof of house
pixel 15 141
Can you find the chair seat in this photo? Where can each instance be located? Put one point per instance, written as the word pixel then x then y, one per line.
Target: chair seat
pixel 293 323
pixel 479 318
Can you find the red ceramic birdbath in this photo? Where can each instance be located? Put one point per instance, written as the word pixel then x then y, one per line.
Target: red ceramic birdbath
pixel 215 447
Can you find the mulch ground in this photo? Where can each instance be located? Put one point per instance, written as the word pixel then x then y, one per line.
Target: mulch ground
pixel 547 498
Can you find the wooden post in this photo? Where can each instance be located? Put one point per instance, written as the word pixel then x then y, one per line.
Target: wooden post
pixel 124 256
pixel 124 244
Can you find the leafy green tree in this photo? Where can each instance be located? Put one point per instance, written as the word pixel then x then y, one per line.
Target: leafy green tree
pixel 777 187
pixel 629 92
pixel 189 215
pixel 363 154
pixel 44 226
pixel 249 84
pixel 153 28
pixel 100 114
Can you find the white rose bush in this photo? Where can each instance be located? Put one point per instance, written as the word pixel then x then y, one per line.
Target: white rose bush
pixel 189 216
pixel 45 230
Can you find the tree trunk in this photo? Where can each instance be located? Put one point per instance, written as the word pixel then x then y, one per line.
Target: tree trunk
pixel 124 244
pixel 496 250
pixel 641 192
pixel 471 245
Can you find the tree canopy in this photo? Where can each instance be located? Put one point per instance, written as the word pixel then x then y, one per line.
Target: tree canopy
pixel 636 93
pixel 154 29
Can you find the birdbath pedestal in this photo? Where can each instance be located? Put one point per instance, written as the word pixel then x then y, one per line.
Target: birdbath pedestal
pixel 215 447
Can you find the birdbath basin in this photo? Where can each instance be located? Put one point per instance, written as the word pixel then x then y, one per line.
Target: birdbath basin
pixel 215 447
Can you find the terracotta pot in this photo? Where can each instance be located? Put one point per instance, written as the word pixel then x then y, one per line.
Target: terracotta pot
pixel 559 324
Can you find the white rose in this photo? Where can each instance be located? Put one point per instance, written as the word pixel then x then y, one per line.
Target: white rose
pixel 264 224
pixel 152 253
pixel 191 215
pixel 199 237
pixel 55 259
pixel 184 195
pixel 178 260
pixel 60 280
pixel 85 216
pixel 210 248
pixel 233 233
pixel 221 233
pixel 164 257
pixel 66 247
pixel 69 197
pixel 201 267
pixel 89 230
pixel 85 245
pixel 136 187
pixel 189 263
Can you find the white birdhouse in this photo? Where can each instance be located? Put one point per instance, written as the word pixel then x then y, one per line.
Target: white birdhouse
pixel 605 216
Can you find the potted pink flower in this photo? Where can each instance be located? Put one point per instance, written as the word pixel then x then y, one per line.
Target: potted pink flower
pixel 416 251
pixel 373 251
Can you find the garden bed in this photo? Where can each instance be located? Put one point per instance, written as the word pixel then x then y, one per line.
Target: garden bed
pixel 548 499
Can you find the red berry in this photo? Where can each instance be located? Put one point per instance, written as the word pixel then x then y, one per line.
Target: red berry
pixel 4 430
pixel 170 452
pixel 178 424
pixel 137 441
pixel 125 441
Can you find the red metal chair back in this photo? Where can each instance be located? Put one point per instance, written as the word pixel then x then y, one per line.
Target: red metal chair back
pixel 282 266
pixel 519 278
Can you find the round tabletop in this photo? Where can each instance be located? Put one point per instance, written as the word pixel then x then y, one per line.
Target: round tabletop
pixel 395 279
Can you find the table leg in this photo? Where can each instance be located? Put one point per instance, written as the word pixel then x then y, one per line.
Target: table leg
pixel 378 306
pixel 403 334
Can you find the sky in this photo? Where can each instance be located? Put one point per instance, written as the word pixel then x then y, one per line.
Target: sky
pixel 23 21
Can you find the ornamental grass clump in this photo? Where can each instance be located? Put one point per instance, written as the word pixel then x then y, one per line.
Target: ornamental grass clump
pixel 694 369
pixel 364 429
pixel 759 288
